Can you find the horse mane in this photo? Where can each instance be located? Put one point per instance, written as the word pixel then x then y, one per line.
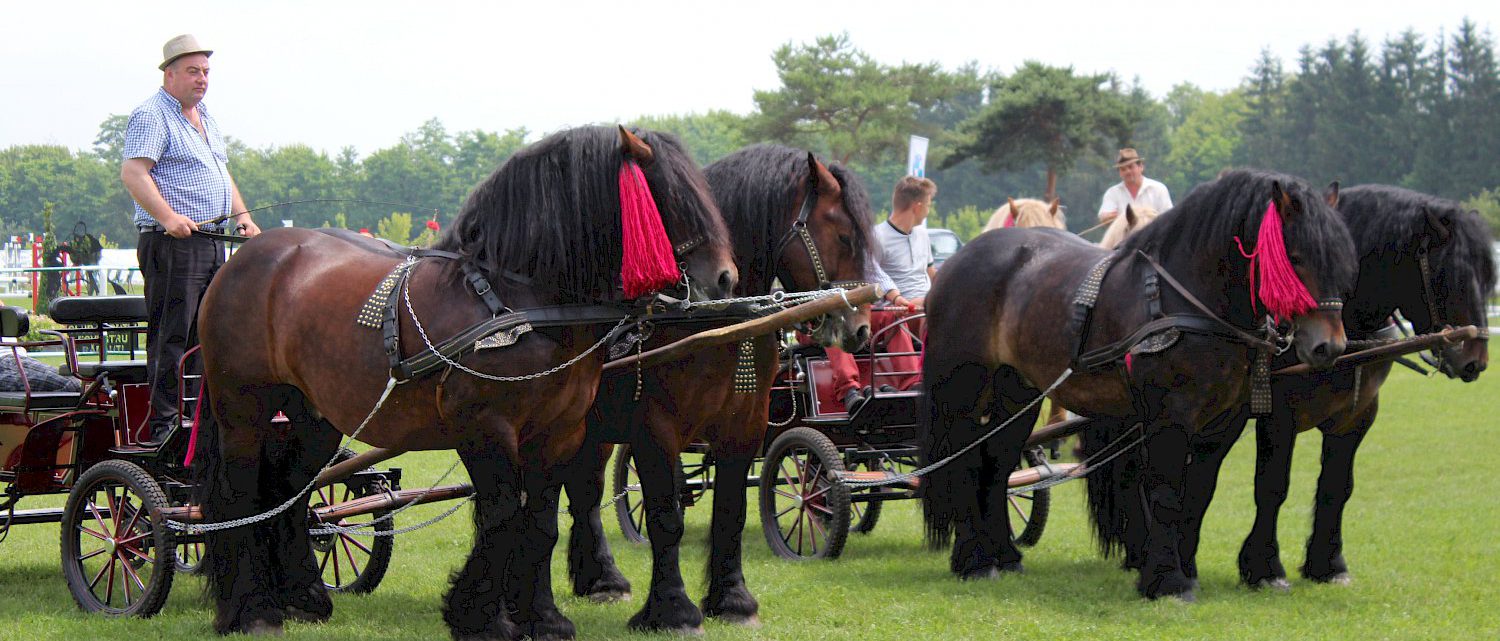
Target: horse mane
pixel 551 212
pixel 756 189
pixel 1377 215
pixel 1120 227
pixel 1030 212
pixel 1198 234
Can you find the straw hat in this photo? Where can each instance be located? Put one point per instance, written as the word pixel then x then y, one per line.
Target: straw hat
pixel 1127 156
pixel 180 46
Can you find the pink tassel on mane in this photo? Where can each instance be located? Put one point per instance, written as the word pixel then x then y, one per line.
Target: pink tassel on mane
pixel 647 264
pixel 1282 293
pixel 1010 219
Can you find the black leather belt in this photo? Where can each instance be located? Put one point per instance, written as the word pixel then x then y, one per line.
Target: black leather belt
pixel 212 229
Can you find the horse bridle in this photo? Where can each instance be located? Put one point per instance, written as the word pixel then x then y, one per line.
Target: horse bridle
pixel 799 230
pixel 1424 266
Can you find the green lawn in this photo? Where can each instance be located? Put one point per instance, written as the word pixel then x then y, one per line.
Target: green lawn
pixel 1420 537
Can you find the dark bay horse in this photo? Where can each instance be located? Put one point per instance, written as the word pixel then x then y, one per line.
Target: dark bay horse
pixel 1425 256
pixel 543 233
pixel 994 316
pixel 769 195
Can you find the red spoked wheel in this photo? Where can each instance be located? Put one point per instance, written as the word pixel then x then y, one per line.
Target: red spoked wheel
pixel 351 562
pixel 117 553
pixel 804 511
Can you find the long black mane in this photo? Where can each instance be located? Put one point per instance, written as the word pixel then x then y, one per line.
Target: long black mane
pixel 1388 222
pixel 756 189
pixel 551 212
pixel 1198 234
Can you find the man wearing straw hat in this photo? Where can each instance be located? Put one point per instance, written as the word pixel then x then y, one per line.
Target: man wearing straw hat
pixel 176 170
pixel 1134 188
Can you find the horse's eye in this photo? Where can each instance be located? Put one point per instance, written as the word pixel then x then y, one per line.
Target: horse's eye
pixel 1295 259
pixel 846 240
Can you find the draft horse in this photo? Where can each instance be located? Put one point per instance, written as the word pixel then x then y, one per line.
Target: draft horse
pixel 1163 332
pixel 1429 258
pixel 1027 212
pixel 792 218
pixel 541 236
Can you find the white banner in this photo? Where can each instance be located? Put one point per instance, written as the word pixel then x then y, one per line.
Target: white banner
pixel 916 157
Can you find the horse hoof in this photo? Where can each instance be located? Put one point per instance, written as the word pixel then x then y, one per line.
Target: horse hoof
pixel 980 575
pixel 303 616
pixel 746 621
pixel 263 628
pixel 1186 597
pixel 1341 578
pixel 609 596
pixel 1278 584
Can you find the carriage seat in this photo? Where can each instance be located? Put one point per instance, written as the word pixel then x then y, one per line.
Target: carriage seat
pixel 94 310
pixel 13 400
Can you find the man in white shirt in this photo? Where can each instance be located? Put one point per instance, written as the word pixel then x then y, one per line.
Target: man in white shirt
pixel 1134 188
pixel 905 250
pixel 903 267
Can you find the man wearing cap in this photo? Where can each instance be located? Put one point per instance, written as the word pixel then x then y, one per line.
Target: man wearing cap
pixel 1134 189
pixel 176 170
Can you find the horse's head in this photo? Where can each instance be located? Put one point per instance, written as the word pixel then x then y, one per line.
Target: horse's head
pixel 1320 252
pixel 700 241
pixel 826 244
pixel 1124 225
pixel 1448 272
pixel 1027 212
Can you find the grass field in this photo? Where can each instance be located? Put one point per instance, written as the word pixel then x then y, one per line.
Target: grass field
pixel 1421 539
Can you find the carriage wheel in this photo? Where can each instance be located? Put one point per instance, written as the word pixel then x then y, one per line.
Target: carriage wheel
pixel 352 563
pixel 117 556
pixel 803 511
pixel 189 555
pixel 1028 510
pixel 630 509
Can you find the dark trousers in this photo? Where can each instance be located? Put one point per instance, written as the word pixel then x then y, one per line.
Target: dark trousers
pixel 177 272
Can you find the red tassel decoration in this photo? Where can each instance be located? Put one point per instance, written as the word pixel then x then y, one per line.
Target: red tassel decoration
pixel 1282 293
pixel 647 264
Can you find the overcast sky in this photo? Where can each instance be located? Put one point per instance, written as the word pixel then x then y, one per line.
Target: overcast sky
pixel 335 74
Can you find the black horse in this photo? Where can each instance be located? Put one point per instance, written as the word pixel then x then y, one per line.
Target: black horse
pixel 281 331
pixel 769 195
pixel 1425 256
pixel 999 330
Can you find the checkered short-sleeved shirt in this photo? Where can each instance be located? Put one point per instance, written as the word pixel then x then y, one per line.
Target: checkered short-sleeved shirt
pixel 191 172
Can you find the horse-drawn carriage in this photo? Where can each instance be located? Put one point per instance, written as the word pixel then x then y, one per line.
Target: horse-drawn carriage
pixel 118 553
pixel 826 471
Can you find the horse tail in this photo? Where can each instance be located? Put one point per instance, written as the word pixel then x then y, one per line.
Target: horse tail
pixel 1110 486
pixel 949 494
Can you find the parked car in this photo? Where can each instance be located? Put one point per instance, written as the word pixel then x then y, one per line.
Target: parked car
pixel 944 244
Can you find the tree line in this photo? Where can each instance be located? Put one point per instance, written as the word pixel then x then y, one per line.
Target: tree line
pixel 1421 112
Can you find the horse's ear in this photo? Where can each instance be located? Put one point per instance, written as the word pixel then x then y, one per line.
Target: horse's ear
pixel 633 146
pixel 1011 202
pixel 1331 194
pixel 1053 207
pixel 1130 217
pixel 828 186
pixel 1440 228
pixel 1282 199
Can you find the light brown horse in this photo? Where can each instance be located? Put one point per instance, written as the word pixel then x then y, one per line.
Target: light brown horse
pixel 1027 212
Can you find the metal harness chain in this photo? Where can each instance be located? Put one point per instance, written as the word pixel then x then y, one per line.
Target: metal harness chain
pixel 198 528
pixel 907 476
pixel 1088 465
pixel 774 299
pixel 353 529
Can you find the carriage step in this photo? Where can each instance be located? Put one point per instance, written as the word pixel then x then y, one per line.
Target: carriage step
pixel 24 517
pixel 1019 478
